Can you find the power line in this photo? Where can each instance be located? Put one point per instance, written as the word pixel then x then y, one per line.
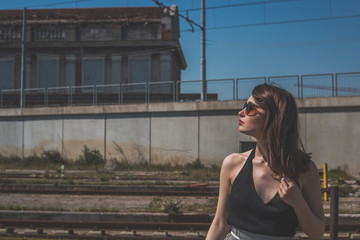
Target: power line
pixel 284 44
pixel 281 22
pixel 239 5
pixel 191 22
pixel 60 3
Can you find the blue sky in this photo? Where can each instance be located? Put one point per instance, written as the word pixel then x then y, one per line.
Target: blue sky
pixel 244 39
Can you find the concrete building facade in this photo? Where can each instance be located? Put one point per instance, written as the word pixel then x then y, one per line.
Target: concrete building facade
pixel 92 46
pixel 176 133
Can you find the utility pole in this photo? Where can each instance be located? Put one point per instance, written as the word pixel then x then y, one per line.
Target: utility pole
pixel 203 53
pixel 23 59
pixel 203 44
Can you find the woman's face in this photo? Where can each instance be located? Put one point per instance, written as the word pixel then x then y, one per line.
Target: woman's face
pixel 252 122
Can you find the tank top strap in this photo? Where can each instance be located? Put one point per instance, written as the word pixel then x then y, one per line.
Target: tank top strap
pixel 250 157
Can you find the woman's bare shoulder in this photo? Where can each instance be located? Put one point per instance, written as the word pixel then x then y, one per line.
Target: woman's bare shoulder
pixel 235 160
pixel 311 176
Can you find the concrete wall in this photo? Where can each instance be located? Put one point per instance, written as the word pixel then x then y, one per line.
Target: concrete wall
pixel 175 132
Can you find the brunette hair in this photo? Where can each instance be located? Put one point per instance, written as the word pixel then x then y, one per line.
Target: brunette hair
pixel 281 135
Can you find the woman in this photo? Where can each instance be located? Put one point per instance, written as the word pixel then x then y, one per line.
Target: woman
pixel 266 193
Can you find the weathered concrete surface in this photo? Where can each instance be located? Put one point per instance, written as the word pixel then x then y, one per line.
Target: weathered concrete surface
pixel 35 141
pixel 82 130
pixel 11 136
pixel 127 137
pixel 174 137
pixel 176 132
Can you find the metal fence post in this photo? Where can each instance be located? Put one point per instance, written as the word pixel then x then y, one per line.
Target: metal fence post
pixel 94 95
pixel 70 95
pixel 174 91
pixel 325 182
pixel 334 212
pixel 46 98
pixel 336 84
pixel 333 85
pixel 301 87
pixel 119 94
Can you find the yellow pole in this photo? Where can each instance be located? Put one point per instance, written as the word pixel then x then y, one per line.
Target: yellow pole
pixel 325 181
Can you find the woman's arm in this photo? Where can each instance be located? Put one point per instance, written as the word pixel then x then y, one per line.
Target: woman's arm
pixel 306 202
pixel 219 228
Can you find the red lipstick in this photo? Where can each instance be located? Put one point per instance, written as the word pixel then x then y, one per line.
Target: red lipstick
pixel 240 122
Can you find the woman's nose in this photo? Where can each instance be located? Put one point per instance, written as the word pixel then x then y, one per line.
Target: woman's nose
pixel 241 113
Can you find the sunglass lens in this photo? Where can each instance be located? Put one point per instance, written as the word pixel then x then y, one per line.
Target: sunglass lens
pixel 249 109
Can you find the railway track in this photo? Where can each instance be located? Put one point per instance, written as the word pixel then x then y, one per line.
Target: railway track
pixel 195 230
pixel 129 190
pixel 124 230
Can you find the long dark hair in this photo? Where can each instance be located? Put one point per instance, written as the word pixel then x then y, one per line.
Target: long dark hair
pixel 285 151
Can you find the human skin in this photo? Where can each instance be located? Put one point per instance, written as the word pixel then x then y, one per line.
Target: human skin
pixel 305 198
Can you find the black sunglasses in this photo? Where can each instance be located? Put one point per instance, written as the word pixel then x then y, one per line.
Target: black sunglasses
pixel 250 108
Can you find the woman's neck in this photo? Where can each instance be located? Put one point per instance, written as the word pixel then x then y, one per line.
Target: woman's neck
pixel 260 151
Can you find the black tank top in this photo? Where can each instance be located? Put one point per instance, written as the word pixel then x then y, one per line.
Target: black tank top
pixel 250 213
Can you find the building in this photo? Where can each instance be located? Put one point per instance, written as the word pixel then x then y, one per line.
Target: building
pixel 91 47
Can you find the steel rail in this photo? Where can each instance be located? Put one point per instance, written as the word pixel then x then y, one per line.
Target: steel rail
pixel 105 225
pixel 106 237
pixel 111 225
pixel 185 192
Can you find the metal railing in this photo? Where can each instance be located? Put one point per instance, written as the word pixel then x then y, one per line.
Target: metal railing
pixel 303 86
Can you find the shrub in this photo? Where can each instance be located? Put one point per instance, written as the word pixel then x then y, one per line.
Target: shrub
pixel 91 157
pixel 172 207
pixel 53 157
pixel 195 164
pixel 339 174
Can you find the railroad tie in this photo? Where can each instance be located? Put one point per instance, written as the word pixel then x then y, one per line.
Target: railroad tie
pixel 345 235
pixel 128 233
pixel 64 232
pixel 355 236
pixel 192 235
pixel 96 233
pixel 6 230
pixel 33 231
pixel 160 234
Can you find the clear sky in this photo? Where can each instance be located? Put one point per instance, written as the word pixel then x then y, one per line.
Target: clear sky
pixel 255 38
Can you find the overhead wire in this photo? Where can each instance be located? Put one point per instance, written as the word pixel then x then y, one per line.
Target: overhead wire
pixel 239 5
pixel 283 44
pixel 59 3
pixel 330 17
pixel 280 22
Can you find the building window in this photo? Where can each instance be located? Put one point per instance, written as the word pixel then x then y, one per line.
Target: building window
pixel 165 68
pixel 115 69
pixel 70 70
pixel 27 72
pixel 139 69
pixel 48 71
pixel 6 74
pixel 93 71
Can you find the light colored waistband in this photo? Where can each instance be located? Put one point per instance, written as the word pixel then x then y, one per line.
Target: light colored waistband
pixel 244 235
pixel 234 235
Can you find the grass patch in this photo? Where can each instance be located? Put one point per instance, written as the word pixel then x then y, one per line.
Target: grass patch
pixel 155 205
pixel 339 174
pixel 343 211
pixel 97 171
pixel 22 208
pixel 207 208
pixel 58 209
pixel 98 209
